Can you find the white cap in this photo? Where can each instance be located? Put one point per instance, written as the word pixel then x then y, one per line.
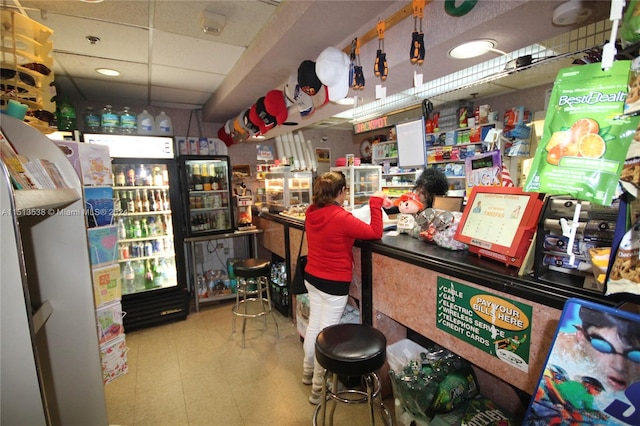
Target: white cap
pixel 332 69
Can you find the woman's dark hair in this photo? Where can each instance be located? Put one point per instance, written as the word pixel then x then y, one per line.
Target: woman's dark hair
pixel 431 182
pixel 327 187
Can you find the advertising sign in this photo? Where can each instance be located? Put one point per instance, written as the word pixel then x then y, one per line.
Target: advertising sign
pixel 494 324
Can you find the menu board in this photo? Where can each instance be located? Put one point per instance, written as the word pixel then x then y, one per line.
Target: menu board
pixel 499 222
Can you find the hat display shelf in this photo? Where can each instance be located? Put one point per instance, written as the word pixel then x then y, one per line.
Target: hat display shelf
pixel 26 66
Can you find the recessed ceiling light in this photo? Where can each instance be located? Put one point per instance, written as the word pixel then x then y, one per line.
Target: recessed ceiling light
pixel 473 48
pixel 108 72
pixel 92 1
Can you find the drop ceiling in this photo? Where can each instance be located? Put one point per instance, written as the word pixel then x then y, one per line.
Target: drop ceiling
pixel 165 59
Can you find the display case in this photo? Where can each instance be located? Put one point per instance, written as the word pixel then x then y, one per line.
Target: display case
pixel 362 182
pixel 206 184
pixel 287 188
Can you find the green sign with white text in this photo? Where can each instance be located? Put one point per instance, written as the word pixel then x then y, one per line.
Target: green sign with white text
pixel 499 326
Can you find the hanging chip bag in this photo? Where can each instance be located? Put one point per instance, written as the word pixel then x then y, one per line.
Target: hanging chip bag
pixel 585 138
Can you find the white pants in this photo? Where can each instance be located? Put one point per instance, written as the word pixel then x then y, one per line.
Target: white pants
pixel 324 310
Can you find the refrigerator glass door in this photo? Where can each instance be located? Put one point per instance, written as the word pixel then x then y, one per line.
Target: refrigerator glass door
pixel 208 196
pixel 145 226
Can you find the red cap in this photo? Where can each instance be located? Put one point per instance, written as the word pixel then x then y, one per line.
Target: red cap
pixel 224 137
pixel 275 105
pixel 256 120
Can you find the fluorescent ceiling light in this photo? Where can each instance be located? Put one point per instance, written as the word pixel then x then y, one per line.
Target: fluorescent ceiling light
pixel 346 101
pixel 474 48
pixel 108 72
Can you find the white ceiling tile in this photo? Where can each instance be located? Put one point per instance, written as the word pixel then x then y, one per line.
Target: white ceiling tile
pixel 85 67
pixel 185 79
pixel 166 94
pixel 180 51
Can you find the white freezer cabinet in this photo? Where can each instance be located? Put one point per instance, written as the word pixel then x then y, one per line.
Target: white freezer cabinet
pixel 362 182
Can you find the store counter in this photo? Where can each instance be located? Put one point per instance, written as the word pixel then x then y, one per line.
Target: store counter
pixel 405 285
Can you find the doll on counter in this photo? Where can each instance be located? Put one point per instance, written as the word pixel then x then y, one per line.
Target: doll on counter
pixel 408 205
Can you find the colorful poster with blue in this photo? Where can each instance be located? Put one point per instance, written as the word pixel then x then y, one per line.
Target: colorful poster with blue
pixel 592 373
pixel 103 244
pixel 98 205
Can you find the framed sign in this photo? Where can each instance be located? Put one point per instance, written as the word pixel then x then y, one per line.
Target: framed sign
pixel 499 222
pixel 411 143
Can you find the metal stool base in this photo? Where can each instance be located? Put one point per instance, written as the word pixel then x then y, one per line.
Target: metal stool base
pixel 257 295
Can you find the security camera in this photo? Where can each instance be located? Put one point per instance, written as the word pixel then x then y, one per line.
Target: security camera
pixel 324 139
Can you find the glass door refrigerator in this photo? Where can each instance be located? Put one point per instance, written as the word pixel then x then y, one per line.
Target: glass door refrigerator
pixel 148 217
pixel 206 182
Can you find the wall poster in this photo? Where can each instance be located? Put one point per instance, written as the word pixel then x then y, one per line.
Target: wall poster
pixel 494 324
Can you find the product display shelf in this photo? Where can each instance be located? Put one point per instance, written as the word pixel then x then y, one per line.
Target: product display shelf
pixel 397 183
pixel 49 359
pixel 384 151
pixel 362 182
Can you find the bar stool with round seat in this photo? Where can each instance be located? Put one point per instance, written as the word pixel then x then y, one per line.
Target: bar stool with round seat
pixel 253 288
pixel 352 350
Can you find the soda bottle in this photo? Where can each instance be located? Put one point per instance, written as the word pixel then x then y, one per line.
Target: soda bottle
pixel 138 280
pixel 91 120
pixel 122 229
pixel 128 122
pixel 66 115
pixel 128 275
pixel 109 120
pixel 148 275
pixel 158 279
pixel 137 229
pixel 144 228
pixel 120 178
pixel 131 205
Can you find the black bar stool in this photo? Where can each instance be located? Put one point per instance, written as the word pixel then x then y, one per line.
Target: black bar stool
pixel 351 350
pixel 253 287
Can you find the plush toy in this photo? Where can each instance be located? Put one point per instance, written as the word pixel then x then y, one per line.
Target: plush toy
pixel 409 205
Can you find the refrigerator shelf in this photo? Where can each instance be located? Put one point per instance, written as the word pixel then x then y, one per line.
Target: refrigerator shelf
pixel 134 187
pixel 153 256
pixel 121 213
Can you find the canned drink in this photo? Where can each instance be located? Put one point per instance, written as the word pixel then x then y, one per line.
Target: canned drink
pixel 135 250
pixel 349 159
pixel 156 246
pixel 148 249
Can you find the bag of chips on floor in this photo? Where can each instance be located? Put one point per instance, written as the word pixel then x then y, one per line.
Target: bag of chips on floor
pixel 586 136
pixel 437 382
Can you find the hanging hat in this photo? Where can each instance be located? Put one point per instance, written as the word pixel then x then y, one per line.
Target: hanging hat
pixel 307 78
pixel 268 120
pixel 332 69
pixel 275 105
pixel 256 120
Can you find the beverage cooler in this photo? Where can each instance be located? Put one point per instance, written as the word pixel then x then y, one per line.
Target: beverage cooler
pixel 148 217
pixel 206 183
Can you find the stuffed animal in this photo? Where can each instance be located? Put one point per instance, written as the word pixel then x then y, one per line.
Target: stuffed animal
pixel 409 205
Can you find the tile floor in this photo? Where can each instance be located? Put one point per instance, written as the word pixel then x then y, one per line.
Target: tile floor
pixel 195 372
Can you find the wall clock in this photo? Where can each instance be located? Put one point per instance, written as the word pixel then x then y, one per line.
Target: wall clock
pixel 365 149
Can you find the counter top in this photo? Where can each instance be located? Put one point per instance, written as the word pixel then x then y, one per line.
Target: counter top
pixel 553 291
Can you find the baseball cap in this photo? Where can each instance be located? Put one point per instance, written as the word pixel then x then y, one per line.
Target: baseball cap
pixel 241 134
pixel 295 96
pixel 224 137
pixel 293 117
pixel 246 122
pixel 275 105
pixel 332 69
pixel 256 120
pixel 321 98
pixel 268 120
pixel 307 78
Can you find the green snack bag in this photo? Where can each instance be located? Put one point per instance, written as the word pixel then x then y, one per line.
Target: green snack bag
pixel 585 138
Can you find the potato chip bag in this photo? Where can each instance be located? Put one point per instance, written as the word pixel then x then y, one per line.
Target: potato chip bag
pixel 585 137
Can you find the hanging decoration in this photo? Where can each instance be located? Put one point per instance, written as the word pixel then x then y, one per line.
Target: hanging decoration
pixel 380 68
pixel 457 11
pixel 356 73
pixel 416 53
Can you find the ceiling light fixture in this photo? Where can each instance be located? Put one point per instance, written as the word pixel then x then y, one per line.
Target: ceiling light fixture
pixel 108 72
pixel 212 23
pixel 474 48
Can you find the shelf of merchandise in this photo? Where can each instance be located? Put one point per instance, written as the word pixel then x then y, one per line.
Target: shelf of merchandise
pixel 383 151
pixel 362 182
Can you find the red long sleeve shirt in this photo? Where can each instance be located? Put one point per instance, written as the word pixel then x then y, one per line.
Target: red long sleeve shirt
pixel 331 232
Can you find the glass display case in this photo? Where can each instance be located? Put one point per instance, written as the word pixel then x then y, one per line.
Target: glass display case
pixel 362 182
pixel 287 188
pixel 207 194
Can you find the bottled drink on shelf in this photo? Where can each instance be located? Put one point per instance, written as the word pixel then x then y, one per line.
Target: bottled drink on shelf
pixel 165 175
pixel 109 120
pixel 131 204
pixel 144 227
pixel 138 202
pixel 123 202
pixel 128 278
pixel 164 127
pixel 165 201
pixel 196 176
pixel 131 176
pixel 153 204
pixel 145 123
pixel 157 176
pixel 123 251
pixel 137 229
pixel 153 226
pixel 148 274
pixel 215 185
pixel 146 206
pixel 147 249
pixel 91 120
pixel 158 279
pixel 120 177
pixel 141 175
pixel 138 269
pixel 128 122
pixel 122 229
pixel 158 198
pixel 204 175
pixel 66 115
pixel 131 230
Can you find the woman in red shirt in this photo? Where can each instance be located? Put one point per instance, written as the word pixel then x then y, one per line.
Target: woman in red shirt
pixel 331 231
